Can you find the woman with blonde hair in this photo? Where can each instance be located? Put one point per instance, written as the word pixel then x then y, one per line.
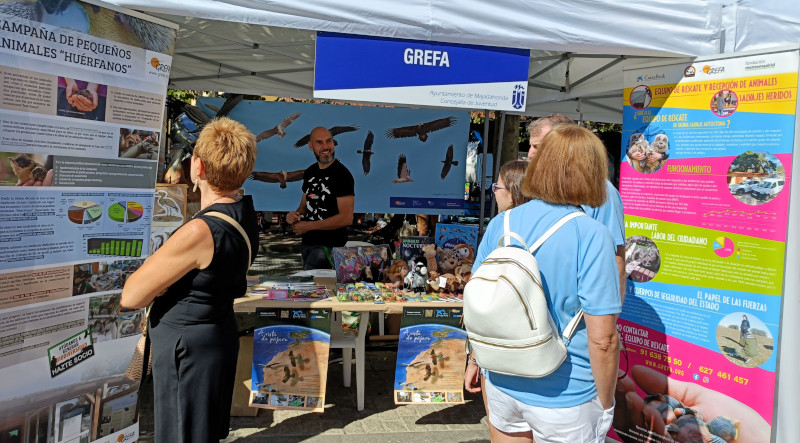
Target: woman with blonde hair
pixel 578 269
pixel 192 280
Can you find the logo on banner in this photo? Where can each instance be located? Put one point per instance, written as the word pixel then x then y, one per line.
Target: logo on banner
pixel 650 77
pixel 711 70
pixel 518 97
pixel 689 71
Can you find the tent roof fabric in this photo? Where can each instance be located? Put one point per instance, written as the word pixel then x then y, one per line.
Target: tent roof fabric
pixel 578 47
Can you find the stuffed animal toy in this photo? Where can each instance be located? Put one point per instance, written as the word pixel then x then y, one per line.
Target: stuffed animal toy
pixel 447 260
pixel 429 251
pixel 463 273
pixel 420 276
pixel 464 253
pixel 451 283
pixel 433 282
pixel 398 272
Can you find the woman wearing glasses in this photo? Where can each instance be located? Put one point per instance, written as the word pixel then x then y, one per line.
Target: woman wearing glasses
pixel 508 189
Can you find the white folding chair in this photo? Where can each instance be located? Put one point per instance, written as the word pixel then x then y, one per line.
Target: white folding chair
pixel 348 342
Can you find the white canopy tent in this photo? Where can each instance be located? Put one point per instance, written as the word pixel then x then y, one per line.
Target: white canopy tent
pixel 578 51
pixel 579 47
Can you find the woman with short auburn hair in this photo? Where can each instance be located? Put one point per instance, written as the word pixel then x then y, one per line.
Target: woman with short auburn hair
pixel 192 280
pixel 578 271
pixel 572 172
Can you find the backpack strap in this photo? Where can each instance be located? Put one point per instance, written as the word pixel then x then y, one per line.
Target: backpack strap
pixel 572 326
pixel 553 229
pixel 504 239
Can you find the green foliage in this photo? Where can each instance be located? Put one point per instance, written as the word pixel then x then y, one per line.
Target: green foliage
pixel 754 162
pixel 734 327
pixel 603 127
pixel 185 96
pixel 758 332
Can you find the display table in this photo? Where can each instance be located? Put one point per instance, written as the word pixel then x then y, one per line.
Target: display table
pixel 249 304
pixel 245 309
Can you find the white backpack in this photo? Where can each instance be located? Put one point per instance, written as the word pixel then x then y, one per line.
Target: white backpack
pixel 508 324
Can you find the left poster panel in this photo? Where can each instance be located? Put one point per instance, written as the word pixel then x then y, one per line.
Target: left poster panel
pixel 82 90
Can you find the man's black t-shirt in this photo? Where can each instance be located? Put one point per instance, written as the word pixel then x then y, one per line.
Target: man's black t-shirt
pixel 321 188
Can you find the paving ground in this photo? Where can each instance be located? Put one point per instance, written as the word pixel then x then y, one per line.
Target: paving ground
pixel 380 421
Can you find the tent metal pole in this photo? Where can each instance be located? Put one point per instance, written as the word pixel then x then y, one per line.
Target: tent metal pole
pixel 498 152
pixel 601 106
pixel 598 71
pixel 483 171
pixel 564 56
pixel 544 85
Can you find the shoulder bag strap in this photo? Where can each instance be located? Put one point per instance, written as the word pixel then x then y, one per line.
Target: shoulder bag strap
pixel 238 227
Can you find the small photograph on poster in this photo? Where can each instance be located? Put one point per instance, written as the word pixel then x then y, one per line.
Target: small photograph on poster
pixel 708 414
pixel 455 246
pixel 81 99
pixel 130 323
pixel 724 103
pixel 642 258
pixel 138 143
pixel 23 169
pixel 744 339
pixel 102 276
pixel 641 96
pixel 159 235
pixel 170 204
pixel 756 177
pixel 648 149
pixel 84 278
pixel 103 317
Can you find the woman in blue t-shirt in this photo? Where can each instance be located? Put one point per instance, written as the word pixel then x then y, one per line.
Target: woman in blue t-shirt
pixel 574 403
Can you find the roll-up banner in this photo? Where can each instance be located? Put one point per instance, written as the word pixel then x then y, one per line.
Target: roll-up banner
pixel 82 89
pixel 705 183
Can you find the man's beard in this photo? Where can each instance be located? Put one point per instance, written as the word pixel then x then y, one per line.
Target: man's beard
pixel 329 158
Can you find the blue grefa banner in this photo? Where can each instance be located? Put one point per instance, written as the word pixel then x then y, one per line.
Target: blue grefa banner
pixel 402 160
pixel 377 69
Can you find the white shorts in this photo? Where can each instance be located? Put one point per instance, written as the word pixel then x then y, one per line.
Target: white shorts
pixel 586 423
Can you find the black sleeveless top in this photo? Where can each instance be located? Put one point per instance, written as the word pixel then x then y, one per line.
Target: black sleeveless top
pixel 206 295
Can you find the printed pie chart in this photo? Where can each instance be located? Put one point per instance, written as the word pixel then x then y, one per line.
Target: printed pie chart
pixel 723 247
pixel 125 212
pixel 84 212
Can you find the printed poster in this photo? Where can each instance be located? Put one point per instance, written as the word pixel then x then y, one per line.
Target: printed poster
pixel 402 160
pixel 431 357
pixel 705 185
pixel 290 358
pixel 82 92
pixel 455 246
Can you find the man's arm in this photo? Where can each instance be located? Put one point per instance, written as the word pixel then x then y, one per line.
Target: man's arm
pixel 294 217
pixel 620 257
pixel 342 219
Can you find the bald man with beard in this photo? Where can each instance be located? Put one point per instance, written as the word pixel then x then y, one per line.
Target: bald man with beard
pixel 326 207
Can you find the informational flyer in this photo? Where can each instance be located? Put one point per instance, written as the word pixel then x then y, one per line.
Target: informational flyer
pixel 430 357
pixel 290 358
pixel 705 186
pixel 82 91
pixel 402 160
